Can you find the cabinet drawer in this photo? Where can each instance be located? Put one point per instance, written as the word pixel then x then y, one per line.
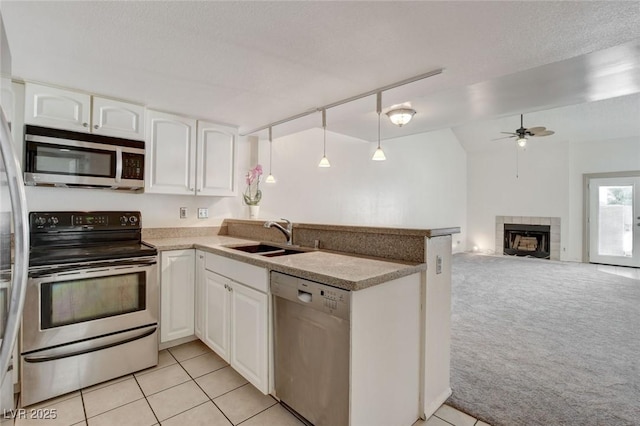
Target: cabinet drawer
pixel 249 275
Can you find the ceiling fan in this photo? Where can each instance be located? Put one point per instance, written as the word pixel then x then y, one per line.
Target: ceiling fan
pixel 522 133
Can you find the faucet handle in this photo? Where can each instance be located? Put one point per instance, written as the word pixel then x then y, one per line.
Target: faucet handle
pixel 289 226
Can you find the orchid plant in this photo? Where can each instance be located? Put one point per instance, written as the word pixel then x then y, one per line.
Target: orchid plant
pixel 253 195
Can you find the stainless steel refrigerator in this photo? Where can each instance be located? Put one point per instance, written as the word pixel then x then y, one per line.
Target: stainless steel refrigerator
pixel 13 220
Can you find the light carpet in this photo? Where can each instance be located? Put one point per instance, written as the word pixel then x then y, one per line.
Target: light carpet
pixel 539 342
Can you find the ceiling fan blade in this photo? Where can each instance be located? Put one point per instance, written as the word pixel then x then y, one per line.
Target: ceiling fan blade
pixel 544 133
pixel 506 137
pixel 510 133
pixel 538 129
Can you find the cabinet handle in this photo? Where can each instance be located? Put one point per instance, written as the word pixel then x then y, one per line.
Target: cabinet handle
pixel 95 126
pixel 85 124
pixel 201 257
pixel 191 189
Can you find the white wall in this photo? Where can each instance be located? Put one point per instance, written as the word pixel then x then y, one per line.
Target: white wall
pixel 421 185
pixel 549 184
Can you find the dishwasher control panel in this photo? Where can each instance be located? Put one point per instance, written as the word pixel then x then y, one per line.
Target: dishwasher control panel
pixel 321 297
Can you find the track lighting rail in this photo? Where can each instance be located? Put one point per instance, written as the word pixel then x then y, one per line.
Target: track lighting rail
pixel 347 100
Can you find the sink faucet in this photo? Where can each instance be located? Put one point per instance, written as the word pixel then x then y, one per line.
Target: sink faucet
pixel 286 231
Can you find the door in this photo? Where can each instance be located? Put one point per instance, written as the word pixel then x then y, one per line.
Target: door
pixel 217 300
pixel 177 285
pixel 249 324
pixel 200 301
pixel 614 221
pixel 170 158
pixel 116 118
pixel 51 107
pixel 216 157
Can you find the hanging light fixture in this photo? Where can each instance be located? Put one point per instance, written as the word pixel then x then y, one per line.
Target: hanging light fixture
pixel 379 154
pixel 401 116
pixel 270 178
pixel 324 162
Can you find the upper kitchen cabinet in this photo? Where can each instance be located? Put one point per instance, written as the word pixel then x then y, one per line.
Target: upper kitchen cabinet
pixel 52 107
pixel 216 152
pixel 189 157
pixel 115 118
pixel 170 154
pixel 69 110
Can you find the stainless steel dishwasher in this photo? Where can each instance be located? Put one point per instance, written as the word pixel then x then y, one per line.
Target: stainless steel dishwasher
pixel 311 345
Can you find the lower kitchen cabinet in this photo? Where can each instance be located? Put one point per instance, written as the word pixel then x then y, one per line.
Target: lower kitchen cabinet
pixel 236 321
pixel 177 294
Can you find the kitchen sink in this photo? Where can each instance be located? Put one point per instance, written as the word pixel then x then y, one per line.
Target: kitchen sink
pixel 267 250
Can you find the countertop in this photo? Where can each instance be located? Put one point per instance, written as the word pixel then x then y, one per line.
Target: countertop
pixel 347 271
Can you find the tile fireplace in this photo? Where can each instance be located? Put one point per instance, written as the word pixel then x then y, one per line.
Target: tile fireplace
pixel 532 236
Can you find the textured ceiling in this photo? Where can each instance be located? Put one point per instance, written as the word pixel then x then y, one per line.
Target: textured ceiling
pixel 251 63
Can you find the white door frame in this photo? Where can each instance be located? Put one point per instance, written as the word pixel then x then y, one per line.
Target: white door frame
pixel 586 179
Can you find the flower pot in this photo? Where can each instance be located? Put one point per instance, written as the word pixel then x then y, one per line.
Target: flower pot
pixel 254 211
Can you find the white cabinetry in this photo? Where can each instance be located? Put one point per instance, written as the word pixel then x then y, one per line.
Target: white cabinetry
pixel 81 112
pixel 189 157
pixel 170 154
pixel 237 316
pixel 177 285
pixel 216 151
pixel 198 325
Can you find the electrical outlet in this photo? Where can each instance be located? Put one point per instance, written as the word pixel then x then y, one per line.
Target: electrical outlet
pixel 203 213
pixel 438 264
pixel 183 212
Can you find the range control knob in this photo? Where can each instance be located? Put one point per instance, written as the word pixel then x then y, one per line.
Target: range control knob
pixel 133 219
pixel 123 220
pixel 54 220
pixel 40 221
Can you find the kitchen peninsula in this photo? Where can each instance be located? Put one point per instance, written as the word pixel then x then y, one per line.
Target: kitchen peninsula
pixel 399 282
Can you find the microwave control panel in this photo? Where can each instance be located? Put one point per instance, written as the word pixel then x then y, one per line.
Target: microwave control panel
pixel 132 166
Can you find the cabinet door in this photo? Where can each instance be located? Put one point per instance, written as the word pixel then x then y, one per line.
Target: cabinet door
pixel 51 107
pixel 249 324
pixel 200 302
pixel 119 119
pixel 176 294
pixel 170 154
pixel 216 327
pixel 216 160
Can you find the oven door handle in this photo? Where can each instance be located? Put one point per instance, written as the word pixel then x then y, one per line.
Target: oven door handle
pixel 55 354
pixel 110 265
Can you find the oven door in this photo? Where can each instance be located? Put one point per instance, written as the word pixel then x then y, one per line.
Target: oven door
pixel 76 303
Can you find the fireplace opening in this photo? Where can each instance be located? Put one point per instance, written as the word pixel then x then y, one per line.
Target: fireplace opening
pixel 527 240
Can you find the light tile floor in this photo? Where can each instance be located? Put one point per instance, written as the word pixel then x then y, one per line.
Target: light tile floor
pixel 192 386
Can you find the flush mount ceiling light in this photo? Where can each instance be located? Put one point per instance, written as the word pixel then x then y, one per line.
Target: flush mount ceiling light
pixel 401 116
pixel 270 178
pixel 379 154
pixel 324 162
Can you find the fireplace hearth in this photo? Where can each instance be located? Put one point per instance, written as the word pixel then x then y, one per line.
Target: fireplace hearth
pixel 527 240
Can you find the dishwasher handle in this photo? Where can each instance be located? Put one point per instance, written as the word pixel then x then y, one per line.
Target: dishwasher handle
pixel 304 296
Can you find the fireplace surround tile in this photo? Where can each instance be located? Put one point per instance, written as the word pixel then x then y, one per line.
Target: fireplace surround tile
pixel 553 222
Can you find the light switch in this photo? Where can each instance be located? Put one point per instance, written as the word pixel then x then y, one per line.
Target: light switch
pixel 438 264
pixel 183 212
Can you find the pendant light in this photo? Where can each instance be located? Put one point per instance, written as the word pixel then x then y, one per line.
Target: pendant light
pixel 324 162
pixel 379 154
pixel 270 178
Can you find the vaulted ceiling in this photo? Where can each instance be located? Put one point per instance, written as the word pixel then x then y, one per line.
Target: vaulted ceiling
pixel 252 63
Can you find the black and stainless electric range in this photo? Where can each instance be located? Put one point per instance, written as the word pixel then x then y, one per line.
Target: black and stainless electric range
pixel 91 306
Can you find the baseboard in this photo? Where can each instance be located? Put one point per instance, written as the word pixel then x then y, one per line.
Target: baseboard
pixel 433 405
pixel 176 342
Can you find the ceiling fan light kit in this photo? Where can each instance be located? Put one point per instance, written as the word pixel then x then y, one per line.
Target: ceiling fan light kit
pixel 401 116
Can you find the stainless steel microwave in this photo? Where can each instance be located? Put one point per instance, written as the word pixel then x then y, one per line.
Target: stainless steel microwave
pixel 55 157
